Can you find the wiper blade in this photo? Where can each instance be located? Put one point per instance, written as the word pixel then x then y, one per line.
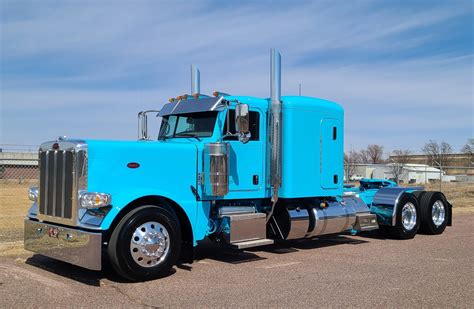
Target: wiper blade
pixel 189 135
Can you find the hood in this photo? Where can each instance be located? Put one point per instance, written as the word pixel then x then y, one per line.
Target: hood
pixel 156 167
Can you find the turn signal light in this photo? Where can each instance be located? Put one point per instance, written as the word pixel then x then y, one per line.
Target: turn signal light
pixel 94 199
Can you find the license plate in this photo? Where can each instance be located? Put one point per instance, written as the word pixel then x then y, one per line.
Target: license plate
pixel 53 232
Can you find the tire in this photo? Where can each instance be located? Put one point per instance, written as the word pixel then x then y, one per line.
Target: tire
pixel 433 212
pixel 407 226
pixel 145 244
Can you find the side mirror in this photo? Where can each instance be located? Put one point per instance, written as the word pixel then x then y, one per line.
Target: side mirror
pixel 242 118
pixel 143 124
pixel 242 122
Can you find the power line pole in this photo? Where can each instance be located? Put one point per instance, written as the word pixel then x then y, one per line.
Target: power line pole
pixel 299 89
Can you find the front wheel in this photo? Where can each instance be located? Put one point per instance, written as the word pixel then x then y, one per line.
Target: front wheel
pixel 407 218
pixel 145 244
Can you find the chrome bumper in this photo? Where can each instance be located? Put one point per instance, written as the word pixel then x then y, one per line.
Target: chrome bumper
pixel 69 245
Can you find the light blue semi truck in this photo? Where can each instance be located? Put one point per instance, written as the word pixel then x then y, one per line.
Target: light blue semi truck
pixel 239 170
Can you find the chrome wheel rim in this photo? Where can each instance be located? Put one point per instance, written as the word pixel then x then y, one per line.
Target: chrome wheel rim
pixel 409 216
pixel 438 213
pixel 149 244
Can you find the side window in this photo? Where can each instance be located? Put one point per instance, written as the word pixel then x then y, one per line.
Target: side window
pixel 254 126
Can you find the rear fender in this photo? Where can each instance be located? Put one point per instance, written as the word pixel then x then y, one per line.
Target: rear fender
pixel 385 203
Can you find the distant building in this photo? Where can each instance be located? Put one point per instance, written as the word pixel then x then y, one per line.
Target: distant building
pixel 459 163
pixel 411 173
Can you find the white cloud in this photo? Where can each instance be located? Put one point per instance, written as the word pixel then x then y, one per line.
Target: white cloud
pixel 105 47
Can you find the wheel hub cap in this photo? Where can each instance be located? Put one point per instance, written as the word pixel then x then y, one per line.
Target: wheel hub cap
pixel 438 213
pixel 149 244
pixel 409 216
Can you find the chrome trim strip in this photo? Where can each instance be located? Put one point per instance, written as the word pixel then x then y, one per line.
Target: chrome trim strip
pixel 55 180
pixel 69 245
pixel 216 105
pixel 46 177
pixel 63 194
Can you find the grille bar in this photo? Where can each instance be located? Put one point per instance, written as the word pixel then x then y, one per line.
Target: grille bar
pixel 56 183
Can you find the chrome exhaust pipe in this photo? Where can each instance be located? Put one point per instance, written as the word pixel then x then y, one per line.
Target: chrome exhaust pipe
pixel 195 80
pixel 275 129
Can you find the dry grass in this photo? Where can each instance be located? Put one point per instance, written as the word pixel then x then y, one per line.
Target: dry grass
pixel 458 194
pixel 14 204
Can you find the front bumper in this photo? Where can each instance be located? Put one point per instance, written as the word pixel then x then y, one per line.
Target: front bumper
pixel 65 244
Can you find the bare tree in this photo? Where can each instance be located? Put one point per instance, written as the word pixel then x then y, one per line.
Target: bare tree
pixel 351 158
pixel 398 160
pixel 469 150
pixel 468 147
pixel 438 154
pixel 373 154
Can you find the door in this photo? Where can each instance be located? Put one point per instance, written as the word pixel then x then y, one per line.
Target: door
pixel 246 170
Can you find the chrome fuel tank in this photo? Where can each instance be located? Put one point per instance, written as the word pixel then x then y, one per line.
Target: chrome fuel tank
pixel 335 217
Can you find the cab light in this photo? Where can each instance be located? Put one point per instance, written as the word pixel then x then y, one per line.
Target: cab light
pixel 215 93
pixel 33 194
pixel 94 199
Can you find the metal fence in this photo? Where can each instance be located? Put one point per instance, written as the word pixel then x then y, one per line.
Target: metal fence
pixel 19 172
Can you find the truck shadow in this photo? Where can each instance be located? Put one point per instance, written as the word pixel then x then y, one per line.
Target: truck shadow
pixel 205 250
pixel 226 254
pixel 79 274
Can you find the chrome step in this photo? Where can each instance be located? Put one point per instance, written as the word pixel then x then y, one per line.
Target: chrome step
pixel 252 243
pixel 243 227
pixel 366 222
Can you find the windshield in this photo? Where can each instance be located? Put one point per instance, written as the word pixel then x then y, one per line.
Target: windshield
pixel 188 125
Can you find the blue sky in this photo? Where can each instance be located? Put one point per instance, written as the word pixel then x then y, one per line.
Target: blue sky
pixel 403 70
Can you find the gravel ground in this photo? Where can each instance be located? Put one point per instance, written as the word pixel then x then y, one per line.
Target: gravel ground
pixel 341 271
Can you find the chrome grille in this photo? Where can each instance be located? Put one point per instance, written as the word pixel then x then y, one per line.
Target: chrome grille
pixel 56 183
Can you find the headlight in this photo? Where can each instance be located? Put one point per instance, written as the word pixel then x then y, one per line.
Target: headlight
pixel 33 193
pixel 94 199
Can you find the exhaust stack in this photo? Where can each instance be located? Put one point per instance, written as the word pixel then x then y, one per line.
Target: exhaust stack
pixel 195 80
pixel 275 123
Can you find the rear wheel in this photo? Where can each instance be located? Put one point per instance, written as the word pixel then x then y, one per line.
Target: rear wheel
pixel 407 218
pixel 145 244
pixel 433 212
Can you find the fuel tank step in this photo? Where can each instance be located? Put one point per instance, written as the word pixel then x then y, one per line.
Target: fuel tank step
pixel 366 222
pixel 252 243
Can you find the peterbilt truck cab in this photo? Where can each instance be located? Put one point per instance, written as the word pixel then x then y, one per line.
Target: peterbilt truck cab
pixel 239 170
